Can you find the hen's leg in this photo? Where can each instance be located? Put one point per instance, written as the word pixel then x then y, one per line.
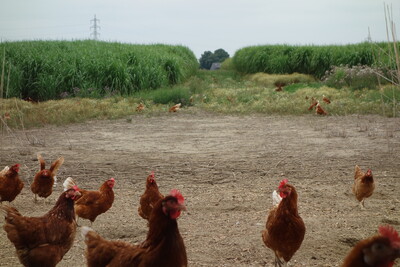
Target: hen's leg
pixel 362 204
pixel 278 262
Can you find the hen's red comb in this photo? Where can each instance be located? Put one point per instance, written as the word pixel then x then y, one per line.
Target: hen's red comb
pixel 16 167
pixel 283 183
pixel 390 233
pixel 175 193
pixel 75 187
pixel 152 174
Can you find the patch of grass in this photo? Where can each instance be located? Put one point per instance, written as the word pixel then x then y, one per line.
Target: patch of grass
pixel 166 95
pixel 25 114
pixel 296 86
pixel 386 94
pixel 255 99
pixel 273 80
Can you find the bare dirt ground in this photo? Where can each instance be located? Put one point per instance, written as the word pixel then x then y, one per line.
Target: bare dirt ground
pixel 226 167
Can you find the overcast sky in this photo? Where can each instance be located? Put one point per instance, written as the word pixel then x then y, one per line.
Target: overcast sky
pixel 201 25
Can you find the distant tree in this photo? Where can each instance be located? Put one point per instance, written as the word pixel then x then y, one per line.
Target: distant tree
pixel 208 58
pixel 221 55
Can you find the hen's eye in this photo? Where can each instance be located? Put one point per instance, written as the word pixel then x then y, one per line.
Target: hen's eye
pixel 378 247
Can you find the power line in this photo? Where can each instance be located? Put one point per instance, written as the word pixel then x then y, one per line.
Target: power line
pixel 95 33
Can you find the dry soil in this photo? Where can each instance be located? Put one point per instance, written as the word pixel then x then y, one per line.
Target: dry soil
pixel 226 167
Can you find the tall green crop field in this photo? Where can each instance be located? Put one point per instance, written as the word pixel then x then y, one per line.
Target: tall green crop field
pixel 313 60
pixel 44 70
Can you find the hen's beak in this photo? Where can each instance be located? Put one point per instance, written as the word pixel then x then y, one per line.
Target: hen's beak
pixel 182 207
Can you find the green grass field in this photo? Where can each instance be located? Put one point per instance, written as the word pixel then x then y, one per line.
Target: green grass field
pixel 218 91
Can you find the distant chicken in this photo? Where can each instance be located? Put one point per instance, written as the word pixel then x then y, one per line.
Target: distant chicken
pixel 43 241
pixel 326 100
pixel 314 102
pixel 279 86
pixel 163 246
pixel 140 107
pixel 380 251
pixel 230 99
pixel 319 110
pixel 149 198
pixel 363 186
pixel 7 116
pixel 175 108
pixel 10 183
pixel 93 203
pixel 284 231
pixel 44 179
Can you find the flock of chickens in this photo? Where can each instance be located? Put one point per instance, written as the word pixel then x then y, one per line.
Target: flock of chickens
pixel 43 241
pixel 317 106
pixel 285 229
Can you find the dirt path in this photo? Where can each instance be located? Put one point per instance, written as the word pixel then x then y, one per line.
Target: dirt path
pixel 226 167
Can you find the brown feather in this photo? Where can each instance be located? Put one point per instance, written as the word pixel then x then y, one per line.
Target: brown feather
pixel 163 246
pixel 149 198
pixel 10 184
pixel 43 181
pixel 284 230
pixel 363 185
pixel 43 241
pixel 93 203
pixel 373 251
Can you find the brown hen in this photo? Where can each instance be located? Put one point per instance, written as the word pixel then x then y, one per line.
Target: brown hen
pixel 175 108
pixel 44 179
pixel 163 246
pixel 10 183
pixel 363 185
pixel 43 241
pixel 380 251
pixel 149 198
pixel 285 228
pixel 93 203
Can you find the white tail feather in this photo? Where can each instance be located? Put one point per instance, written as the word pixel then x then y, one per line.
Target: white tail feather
pixel 55 181
pixel 68 183
pixel 85 230
pixel 276 198
pixel 5 170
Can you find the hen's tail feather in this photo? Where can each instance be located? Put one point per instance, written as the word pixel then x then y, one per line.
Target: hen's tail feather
pixel 9 211
pixel 276 198
pixel 357 171
pixel 5 170
pixel 99 251
pixel 12 219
